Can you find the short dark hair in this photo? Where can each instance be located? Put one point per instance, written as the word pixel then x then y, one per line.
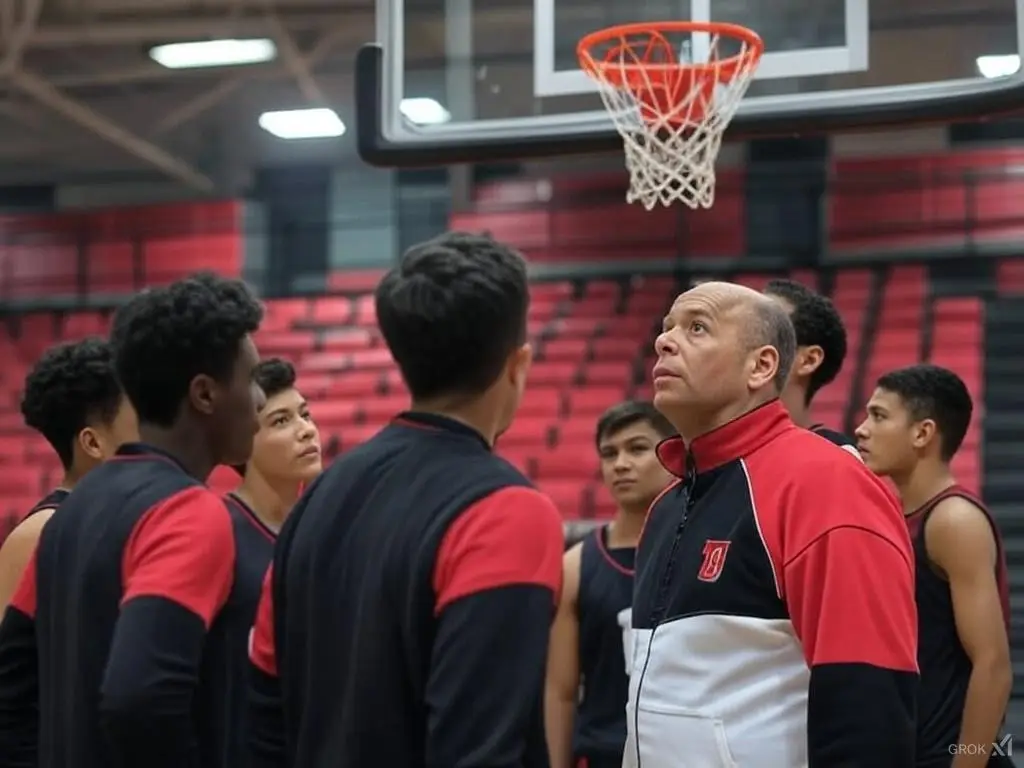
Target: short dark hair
pixel 932 392
pixel 165 337
pixel 70 387
pixel 274 376
pixel 773 327
pixel 452 311
pixel 818 324
pixel 626 414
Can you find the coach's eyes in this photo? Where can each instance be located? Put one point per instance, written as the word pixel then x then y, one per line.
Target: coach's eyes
pixel 697 327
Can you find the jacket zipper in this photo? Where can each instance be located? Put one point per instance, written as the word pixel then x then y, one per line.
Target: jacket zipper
pixel 661 604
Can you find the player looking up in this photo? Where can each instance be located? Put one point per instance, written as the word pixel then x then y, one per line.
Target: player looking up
pixel 285 452
pixel 589 639
pixel 916 421
pixel 74 400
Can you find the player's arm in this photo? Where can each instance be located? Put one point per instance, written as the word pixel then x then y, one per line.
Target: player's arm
pixel 177 572
pixel 266 709
pixel 850 594
pixel 19 676
pixel 962 545
pixel 562 686
pixel 16 552
pixel 497 577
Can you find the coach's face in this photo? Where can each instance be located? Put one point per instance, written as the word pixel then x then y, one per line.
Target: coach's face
pixel 889 439
pixel 704 360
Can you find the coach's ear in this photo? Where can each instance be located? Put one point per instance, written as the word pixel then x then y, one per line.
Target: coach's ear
pixel 808 360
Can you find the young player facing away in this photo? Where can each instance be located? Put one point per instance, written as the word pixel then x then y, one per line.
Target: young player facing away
pixel 916 420
pixel 285 452
pixel 820 352
pixel 73 399
pixel 587 683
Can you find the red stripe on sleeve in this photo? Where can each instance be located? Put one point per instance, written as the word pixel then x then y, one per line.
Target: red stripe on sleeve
pixel 24 597
pixel 262 652
pixel 512 537
pixel 851 600
pixel 183 550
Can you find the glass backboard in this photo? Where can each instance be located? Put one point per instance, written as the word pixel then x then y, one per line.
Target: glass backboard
pixel 468 80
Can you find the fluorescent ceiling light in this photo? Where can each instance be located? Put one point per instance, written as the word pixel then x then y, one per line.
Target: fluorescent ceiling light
pixel 422 111
pixel 303 123
pixel 213 53
pixel 992 67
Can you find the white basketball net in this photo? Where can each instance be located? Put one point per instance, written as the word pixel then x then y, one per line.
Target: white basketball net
pixel 671 124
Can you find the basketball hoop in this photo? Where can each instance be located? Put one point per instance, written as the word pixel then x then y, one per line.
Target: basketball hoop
pixel 671 108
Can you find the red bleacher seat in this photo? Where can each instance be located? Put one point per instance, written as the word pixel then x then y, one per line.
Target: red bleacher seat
pixel 371 359
pixel 331 310
pixel 356 384
pixel 346 339
pixel 605 348
pixel 577 462
pixel 330 413
pixel 608 374
pixel 567 496
pixel 284 343
pixel 591 402
pixel 547 403
pixel 526 431
pixel 385 407
pixel 556 373
pixel 326 361
pixel 566 349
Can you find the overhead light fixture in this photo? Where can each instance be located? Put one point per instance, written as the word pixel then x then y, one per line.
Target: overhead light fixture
pixel 214 53
pixel 423 111
pixel 321 123
pixel 992 67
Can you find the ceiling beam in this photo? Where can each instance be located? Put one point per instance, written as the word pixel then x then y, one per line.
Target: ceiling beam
pixel 46 94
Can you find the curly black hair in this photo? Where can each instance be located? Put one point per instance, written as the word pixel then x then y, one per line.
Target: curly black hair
pixel 70 387
pixel 932 392
pixel 817 323
pixel 452 312
pixel 274 376
pixel 165 337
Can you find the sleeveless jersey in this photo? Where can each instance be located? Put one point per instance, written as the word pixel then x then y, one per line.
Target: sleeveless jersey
pixel 605 607
pixel 52 500
pixel 945 666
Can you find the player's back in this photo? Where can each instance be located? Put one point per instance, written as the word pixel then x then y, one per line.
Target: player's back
pixel 353 591
pixel 79 574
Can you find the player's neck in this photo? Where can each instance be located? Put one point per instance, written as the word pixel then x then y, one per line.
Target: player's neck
pixel 477 414
pixel 625 529
pixel 795 399
pixel 927 480
pixel 185 443
pixel 270 503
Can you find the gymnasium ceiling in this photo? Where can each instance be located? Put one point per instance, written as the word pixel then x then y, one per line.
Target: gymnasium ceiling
pixel 79 95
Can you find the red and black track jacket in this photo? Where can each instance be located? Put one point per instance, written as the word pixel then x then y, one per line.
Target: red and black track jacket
pixel 117 648
pixel 405 621
pixel 774 619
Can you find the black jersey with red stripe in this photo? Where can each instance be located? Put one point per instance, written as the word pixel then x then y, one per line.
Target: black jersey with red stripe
pixel 52 500
pixel 945 665
pixel 405 620
pixel 604 607
pixel 116 648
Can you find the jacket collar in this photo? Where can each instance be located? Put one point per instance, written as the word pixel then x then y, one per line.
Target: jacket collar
pixel 436 422
pixel 734 440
